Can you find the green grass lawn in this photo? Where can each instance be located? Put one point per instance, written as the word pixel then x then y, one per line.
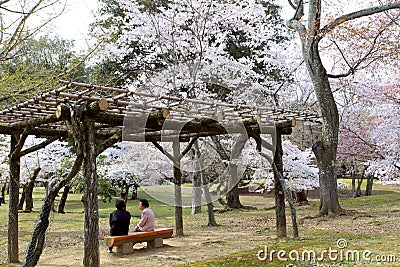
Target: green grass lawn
pixel 372 225
pixel 370 232
pixel 70 224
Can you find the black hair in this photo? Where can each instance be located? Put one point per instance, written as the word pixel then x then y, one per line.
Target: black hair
pixel 120 204
pixel 145 203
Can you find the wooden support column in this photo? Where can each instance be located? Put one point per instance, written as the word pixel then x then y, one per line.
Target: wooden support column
pixel 281 190
pixel 279 193
pixel 82 127
pixel 15 167
pixel 177 188
pixel 91 225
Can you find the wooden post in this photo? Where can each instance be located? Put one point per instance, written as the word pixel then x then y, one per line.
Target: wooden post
pixel 279 193
pixel 91 227
pixel 14 199
pixel 178 189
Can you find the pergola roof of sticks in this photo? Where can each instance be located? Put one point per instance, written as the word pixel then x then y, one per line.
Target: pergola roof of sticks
pixel 87 113
pixel 44 113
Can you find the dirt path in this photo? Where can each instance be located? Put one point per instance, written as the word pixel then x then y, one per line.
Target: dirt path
pixel 195 245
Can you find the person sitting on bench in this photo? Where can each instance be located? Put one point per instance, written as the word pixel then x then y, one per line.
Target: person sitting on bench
pixel 147 222
pixel 119 220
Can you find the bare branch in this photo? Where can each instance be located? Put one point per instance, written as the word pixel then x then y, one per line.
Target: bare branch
pixel 159 147
pixel 19 34
pixel 355 15
pixel 355 66
pixel 188 147
pixel 299 11
pixel 4 1
pixel 39 146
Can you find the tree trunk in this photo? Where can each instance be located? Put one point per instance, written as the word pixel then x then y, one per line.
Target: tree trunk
pixel 310 37
pixel 22 199
pixel 301 197
pixel 196 191
pixel 124 191
pixel 210 206
pixel 224 156
pixel 3 196
pixel 232 198
pixel 29 190
pixel 36 243
pixel 359 183
pixel 329 201
pixel 370 183
pixel 63 199
pixel 178 190
pixel 91 225
pixel 134 195
pixel 38 236
pixel 13 199
pixel 353 183
pixel 204 183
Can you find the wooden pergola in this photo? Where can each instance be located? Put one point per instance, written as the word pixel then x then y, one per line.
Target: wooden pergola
pixel 87 113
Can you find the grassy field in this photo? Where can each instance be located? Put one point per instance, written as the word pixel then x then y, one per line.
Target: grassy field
pixel 369 232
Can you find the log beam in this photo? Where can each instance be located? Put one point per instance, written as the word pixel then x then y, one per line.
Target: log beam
pixel 63 112
pixel 97 106
pixel 34 122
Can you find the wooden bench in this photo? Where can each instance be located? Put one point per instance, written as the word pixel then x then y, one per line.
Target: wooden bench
pixel 124 243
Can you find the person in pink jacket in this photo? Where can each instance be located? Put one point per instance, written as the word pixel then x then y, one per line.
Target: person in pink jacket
pixel 147 222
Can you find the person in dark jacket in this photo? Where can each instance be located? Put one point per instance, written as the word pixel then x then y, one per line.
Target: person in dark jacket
pixel 119 220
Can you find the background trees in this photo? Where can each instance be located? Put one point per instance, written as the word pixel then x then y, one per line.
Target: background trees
pixel 20 23
pixel 34 66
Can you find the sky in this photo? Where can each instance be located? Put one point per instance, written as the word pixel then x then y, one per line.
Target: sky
pixel 73 23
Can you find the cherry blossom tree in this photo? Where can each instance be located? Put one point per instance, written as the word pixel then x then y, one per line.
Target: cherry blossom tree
pixel 188 46
pixel 312 25
pixel 369 133
pixel 201 49
pixel 136 164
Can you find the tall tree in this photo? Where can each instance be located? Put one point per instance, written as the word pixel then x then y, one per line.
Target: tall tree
pixel 17 25
pixel 198 44
pixel 198 49
pixel 21 21
pixel 311 32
